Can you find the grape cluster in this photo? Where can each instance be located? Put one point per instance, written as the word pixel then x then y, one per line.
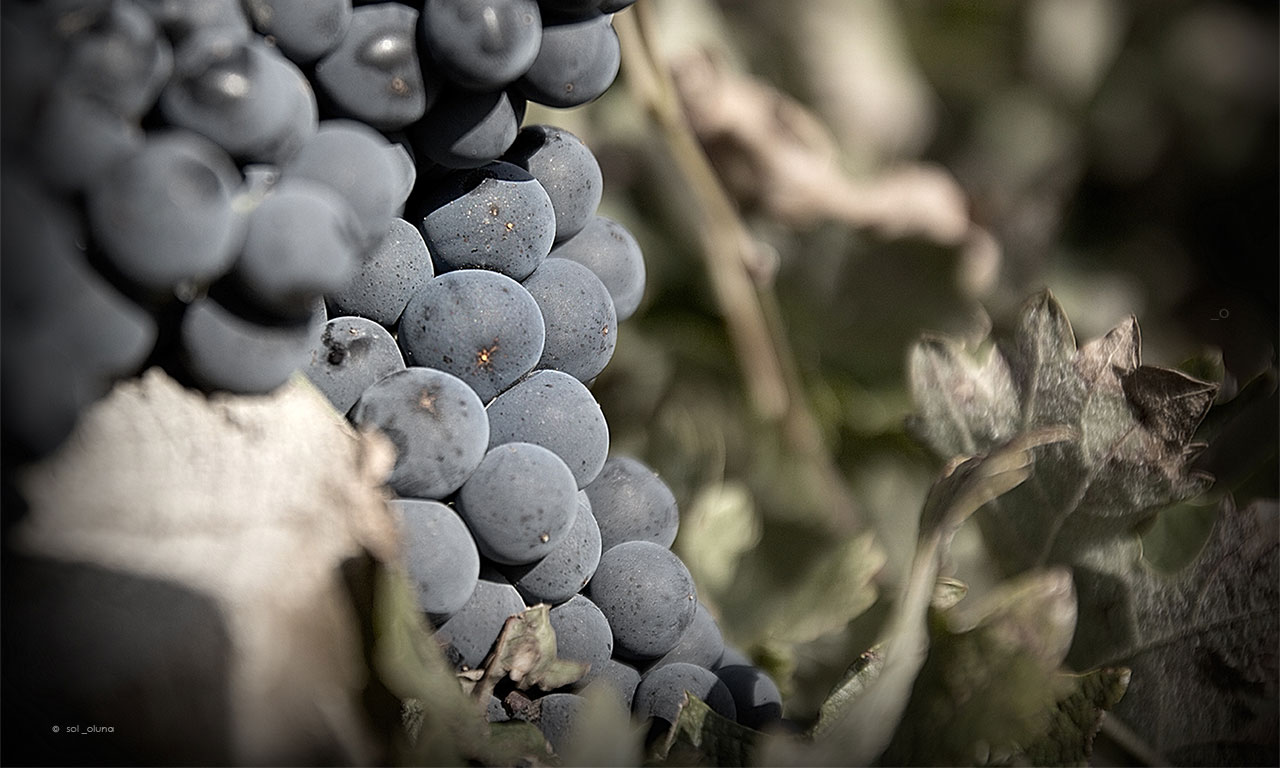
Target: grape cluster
pixel 237 190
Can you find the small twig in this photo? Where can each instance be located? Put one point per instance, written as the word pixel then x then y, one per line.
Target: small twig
pixel 750 312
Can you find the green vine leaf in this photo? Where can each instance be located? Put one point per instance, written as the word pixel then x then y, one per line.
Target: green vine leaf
pixel 700 736
pixel 526 653
pixel 1077 716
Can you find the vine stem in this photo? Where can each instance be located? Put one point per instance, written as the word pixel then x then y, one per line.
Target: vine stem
pixel 750 312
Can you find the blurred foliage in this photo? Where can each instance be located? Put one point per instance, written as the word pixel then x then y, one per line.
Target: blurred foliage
pixel 1120 153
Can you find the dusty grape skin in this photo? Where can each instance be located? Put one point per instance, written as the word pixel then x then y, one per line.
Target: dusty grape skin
pixel 468 635
pixel 478 325
pixel 466 129
pixel 554 410
pixel 304 30
pixel 661 691
pixel 647 595
pixel 351 354
pixel 701 643
pixel 558 715
pixel 396 268
pixel 619 677
pixel 581 327
pixel 576 63
pixel 436 423
pixel 519 503
pixel 481 45
pixel 582 635
pixel 755 696
pixel 495 217
pixel 606 248
pixel 566 569
pixel 224 351
pixel 566 169
pixel 440 556
pixel 374 74
pixel 631 503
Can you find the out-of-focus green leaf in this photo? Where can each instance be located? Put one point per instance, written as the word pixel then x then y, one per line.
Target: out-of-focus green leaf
pixel 715 530
pixel 700 736
pixel 1075 721
pixel 839 580
pixel 604 735
pixel 526 653
pixel 991 682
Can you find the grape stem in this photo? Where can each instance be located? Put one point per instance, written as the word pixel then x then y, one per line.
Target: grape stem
pixel 742 292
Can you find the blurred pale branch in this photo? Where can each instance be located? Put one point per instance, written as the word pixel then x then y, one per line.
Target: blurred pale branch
pixel 742 289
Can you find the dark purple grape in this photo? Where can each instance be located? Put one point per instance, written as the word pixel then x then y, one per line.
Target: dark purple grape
pixel 606 248
pixel 577 62
pixel 647 595
pixel 519 503
pixel 361 165
pixel 565 570
pixel 352 354
pixel 566 169
pixel 558 412
pixel 494 711
pixel 440 556
pixel 701 643
pixel 581 328
pixel 373 74
pixel 662 691
pixel 388 277
pixel 557 717
pixel 631 503
pixel 226 352
pixel 304 30
pixel 436 423
pixel 117 57
pixel 300 243
pixel 497 217
pixel 755 696
pixel 466 129
pixel 481 44
pixel 468 635
pixel 180 19
pixel 481 326
pixel 243 95
pixel 582 635
pixel 165 215
pixel 618 677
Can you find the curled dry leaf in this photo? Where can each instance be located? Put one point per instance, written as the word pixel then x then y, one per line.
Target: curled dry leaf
pixel 250 508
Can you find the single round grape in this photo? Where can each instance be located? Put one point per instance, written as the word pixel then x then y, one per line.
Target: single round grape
pixel 468 636
pixel 397 267
pixel 352 354
pixel 558 412
pixel 701 643
pixel 358 163
pixel 496 217
pixel 576 63
pixel 164 215
pixel 558 715
pixel 608 249
pixel 631 503
pixel 374 74
pixel 647 595
pixel 481 326
pixel 300 243
pixel 661 692
pixel 481 44
pixel 565 570
pixel 519 503
pixel 581 326
pixel 755 696
pixel 244 96
pixel 566 169
pixel 226 352
pixel 582 635
pixel 436 423
pixel 467 129
pixel 618 677
pixel 441 557
pixel 119 59
pixel 304 30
